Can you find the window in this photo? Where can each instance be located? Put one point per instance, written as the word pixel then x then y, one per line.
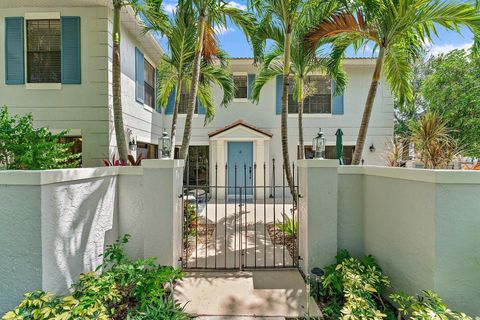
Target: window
pixel 147 150
pixel 319 99
pixel 149 84
pixel 184 100
pixel 331 153
pixel 241 86
pixel 197 162
pixel 43 51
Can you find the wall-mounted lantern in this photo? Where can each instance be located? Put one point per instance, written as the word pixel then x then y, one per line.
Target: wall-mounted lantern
pixel 319 145
pixel 164 145
pixel 372 148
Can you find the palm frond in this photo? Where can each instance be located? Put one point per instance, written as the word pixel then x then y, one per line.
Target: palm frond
pixel 266 74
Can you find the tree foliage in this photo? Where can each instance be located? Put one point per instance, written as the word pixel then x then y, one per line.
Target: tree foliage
pixel 452 90
pixel 24 147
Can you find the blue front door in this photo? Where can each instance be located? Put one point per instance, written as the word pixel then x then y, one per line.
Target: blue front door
pixel 240 154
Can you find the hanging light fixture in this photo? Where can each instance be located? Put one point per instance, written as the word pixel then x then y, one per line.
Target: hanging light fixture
pixel 319 145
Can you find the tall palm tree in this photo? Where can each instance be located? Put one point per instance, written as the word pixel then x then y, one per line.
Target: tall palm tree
pixel 303 63
pixel 398 29
pixel 210 15
pixel 281 17
pixel 175 67
pixel 116 84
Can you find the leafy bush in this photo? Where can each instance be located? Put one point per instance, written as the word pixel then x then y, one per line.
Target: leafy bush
pixel 352 289
pixel 288 226
pixel 24 147
pixel 124 290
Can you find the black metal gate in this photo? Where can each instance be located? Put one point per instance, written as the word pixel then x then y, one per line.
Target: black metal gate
pixel 240 225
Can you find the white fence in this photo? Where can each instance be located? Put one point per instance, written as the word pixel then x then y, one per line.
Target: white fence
pixel 423 226
pixel 56 223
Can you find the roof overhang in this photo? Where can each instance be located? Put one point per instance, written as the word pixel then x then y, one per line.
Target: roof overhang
pixel 240 130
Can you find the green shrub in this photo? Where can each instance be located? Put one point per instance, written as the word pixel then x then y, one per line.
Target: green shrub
pixel 124 290
pixel 24 147
pixel 287 226
pixel 352 289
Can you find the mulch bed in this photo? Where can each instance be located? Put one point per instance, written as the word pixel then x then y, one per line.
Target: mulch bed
pixel 205 234
pixel 277 234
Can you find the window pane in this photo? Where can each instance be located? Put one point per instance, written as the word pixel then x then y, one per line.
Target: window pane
pixel 149 86
pixel 43 51
pixel 183 105
pixel 241 87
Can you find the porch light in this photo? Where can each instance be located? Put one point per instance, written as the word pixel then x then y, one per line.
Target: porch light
pixel 165 144
pixel 372 148
pixel 319 145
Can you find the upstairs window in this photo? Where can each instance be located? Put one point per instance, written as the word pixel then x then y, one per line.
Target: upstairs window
pixel 241 86
pixel 319 99
pixel 184 101
pixel 149 84
pixel 44 51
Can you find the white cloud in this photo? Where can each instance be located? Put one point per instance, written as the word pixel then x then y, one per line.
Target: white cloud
pixel 237 5
pixel 221 30
pixel 170 7
pixel 435 50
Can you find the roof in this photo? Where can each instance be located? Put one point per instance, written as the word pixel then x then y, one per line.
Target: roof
pixel 239 123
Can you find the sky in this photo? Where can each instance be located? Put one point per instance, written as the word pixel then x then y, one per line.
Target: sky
pixel 234 42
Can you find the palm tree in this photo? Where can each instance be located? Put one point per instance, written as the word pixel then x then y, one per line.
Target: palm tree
pixel 116 84
pixel 278 19
pixel 175 68
pixel 209 15
pixel 398 29
pixel 303 63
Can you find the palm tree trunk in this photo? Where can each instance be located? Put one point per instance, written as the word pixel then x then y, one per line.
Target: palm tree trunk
pixel 173 132
pixel 284 118
pixel 193 89
pixel 116 85
pixel 362 133
pixel 301 154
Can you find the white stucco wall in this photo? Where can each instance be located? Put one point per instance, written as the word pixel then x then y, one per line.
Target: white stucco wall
pixel 421 226
pixel 57 222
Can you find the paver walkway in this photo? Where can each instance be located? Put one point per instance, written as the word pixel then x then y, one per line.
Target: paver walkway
pixel 262 293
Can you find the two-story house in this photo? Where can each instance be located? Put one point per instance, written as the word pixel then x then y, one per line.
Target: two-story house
pixel 57 65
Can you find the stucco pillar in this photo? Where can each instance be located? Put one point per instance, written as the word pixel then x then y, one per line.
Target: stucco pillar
pixel 318 212
pixel 162 182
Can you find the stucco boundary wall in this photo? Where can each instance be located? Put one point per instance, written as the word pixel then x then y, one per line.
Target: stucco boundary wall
pixel 422 226
pixel 56 223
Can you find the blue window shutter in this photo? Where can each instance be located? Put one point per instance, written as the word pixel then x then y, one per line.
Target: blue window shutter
pixel 171 102
pixel 139 76
pixel 201 109
pixel 71 53
pixel 278 102
pixel 251 80
pixel 337 101
pixel 14 48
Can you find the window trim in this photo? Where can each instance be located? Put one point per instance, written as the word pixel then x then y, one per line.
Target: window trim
pixel 40 16
pixel 245 74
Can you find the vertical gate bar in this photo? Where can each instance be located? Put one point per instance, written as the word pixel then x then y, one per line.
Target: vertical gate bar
pixel 185 229
pixel 205 199
pixel 245 211
pixel 255 210
pixel 283 215
pixel 265 215
pixel 225 191
pixel 235 222
pixel 274 215
pixel 196 213
pixel 216 200
pixel 294 207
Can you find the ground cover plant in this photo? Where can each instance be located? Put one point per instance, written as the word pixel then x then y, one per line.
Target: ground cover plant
pixel 353 289
pixel 125 289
